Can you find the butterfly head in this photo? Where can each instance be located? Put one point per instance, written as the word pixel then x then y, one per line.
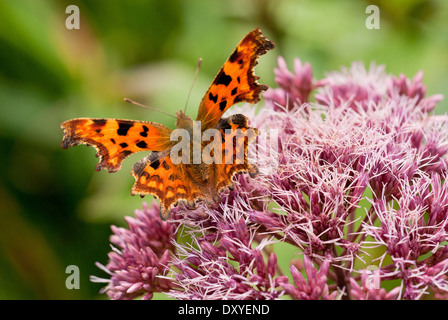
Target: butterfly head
pixel 183 121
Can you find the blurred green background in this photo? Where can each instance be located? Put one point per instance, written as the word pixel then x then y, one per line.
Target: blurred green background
pixel 55 210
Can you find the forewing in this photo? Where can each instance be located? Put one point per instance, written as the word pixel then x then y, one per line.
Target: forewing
pixel 115 139
pixel 236 81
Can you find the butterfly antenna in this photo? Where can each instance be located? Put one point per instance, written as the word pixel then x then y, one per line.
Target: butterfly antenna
pixel 194 80
pixel 148 107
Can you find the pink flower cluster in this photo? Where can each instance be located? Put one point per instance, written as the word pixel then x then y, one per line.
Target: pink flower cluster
pixel 140 256
pixel 355 183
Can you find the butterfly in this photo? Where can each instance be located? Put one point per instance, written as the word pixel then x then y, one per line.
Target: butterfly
pixel 161 174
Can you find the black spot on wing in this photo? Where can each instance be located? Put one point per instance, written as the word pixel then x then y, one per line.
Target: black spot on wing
pixel 155 164
pixel 222 105
pixel 223 78
pixel 234 91
pixel 212 97
pixel 144 133
pixel 123 128
pixel 99 122
pixel 123 144
pixel 142 144
pixel 139 167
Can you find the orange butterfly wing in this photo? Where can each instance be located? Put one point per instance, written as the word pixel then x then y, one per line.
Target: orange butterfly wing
pixel 157 175
pixel 235 82
pixel 234 130
pixel 115 139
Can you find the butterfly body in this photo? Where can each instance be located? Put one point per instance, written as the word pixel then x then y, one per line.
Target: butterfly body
pixel 184 122
pixel 199 158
